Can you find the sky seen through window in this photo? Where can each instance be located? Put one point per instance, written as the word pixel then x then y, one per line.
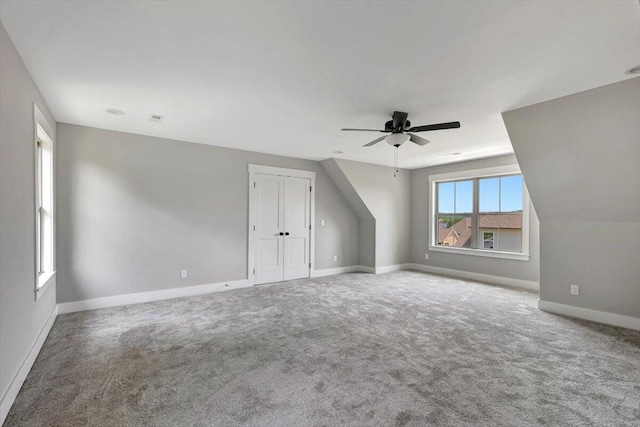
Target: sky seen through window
pixel 499 194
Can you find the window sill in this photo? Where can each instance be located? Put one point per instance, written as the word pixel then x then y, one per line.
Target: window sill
pixel 481 252
pixel 44 282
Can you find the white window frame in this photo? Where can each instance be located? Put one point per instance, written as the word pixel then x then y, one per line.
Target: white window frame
pixel 44 190
pixel 472 174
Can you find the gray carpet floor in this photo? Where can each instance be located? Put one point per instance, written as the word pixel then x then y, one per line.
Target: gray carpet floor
pixel 403 348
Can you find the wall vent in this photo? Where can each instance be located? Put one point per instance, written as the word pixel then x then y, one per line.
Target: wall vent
pixel 156 118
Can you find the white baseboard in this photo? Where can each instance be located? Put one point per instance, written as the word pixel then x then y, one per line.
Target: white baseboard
pixel 366 269
pixel 498 280
pixel 390 268
pixel 140 297
pixel 588 314
pixel 337 270
pixel 349 269
pixel 18 379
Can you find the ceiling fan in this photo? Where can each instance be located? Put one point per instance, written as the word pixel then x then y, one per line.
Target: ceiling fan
pixel 400 130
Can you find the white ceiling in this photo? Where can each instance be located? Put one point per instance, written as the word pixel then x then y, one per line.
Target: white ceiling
pixel 283 78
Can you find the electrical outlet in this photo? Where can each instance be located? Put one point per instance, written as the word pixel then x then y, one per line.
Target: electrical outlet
pixel 322 222
pixel 426 256
pixel 575 290
pixel 335 258
pixel 183 274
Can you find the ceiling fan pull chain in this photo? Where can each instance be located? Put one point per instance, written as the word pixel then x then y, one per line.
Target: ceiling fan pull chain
pixel 395 163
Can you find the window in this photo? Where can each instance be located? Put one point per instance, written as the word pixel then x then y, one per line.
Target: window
pixel 482 212
pixel 487 239
pixel 44 222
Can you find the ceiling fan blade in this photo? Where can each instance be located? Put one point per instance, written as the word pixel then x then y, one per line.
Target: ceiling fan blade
pixel 375 141
pixel 365 130
pixel 418 140
pixel 438 126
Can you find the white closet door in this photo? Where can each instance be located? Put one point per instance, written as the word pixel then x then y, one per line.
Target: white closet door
pixel 269 233
pixel 297 217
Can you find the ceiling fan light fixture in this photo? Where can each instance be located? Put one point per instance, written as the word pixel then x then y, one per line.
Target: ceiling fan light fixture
pixel 397 139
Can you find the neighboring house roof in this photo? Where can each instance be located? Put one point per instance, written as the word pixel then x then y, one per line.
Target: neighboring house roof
pixel 465 239
pixel 462 225
pixel 443 233
pixel 461 230
pixel 500 221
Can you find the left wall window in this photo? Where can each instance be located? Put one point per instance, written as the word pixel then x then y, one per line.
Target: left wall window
pixel 44 226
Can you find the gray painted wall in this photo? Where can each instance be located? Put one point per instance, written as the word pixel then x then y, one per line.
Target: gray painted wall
pixel 515 269
pixel 389 200
pixel 135 210
pixel 367 246
pixel 580 156
pixel 21 317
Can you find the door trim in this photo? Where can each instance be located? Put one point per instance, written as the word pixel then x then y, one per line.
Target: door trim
pixel 271 170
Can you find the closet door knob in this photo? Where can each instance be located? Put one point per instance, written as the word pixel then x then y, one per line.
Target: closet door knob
pixel 286 234
pixel 281 233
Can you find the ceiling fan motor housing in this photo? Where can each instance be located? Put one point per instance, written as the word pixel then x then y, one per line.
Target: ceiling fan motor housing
pixel 388 126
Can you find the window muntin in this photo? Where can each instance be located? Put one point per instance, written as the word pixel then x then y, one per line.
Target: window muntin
pixel 486 213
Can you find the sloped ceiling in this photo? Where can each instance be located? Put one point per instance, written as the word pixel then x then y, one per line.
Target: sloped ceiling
pixel 580 154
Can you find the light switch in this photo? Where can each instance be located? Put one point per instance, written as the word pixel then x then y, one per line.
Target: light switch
pixel 183 274
pixel 322 222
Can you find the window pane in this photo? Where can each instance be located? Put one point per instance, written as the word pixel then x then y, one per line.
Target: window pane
pixel 445 197
pixel 39 174
pixel 489 193
pixel 464 197
pixel 511 188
